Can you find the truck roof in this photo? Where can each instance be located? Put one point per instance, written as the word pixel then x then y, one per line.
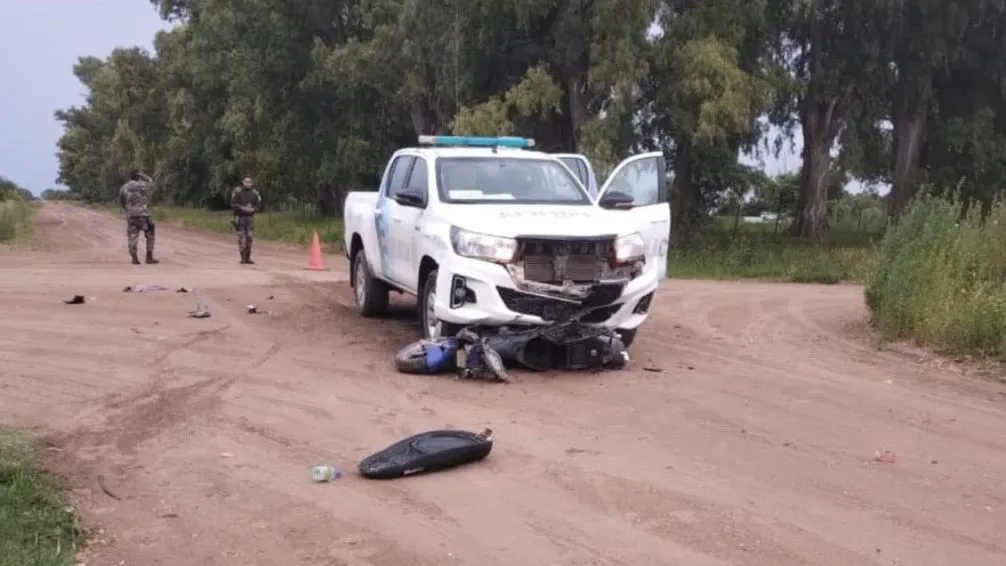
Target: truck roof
pixel 435 152
pixel 469 146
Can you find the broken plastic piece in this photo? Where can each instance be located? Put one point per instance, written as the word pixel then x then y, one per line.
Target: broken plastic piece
pixel 200 312
pixel 427 452
pixel 143 288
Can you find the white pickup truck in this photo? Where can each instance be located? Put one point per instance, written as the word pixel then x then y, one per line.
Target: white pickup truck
pixel 487 231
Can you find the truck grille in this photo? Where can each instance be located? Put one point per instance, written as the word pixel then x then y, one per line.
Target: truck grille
pixel 551 309
pixel 557 261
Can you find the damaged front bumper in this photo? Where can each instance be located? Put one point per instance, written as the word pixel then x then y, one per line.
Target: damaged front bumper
pixel 471 291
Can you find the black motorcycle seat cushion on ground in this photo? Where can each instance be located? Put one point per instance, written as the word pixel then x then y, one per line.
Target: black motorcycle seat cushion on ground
pixel 426 452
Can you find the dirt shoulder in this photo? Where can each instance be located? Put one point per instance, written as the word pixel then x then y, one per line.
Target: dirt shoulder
pixel 754 445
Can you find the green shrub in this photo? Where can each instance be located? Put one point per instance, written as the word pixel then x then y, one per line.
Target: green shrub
pixel 940 278
pixel 16 220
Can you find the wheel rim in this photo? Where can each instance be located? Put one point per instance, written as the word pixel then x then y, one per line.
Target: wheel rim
pixel 360 286
pixel 432 323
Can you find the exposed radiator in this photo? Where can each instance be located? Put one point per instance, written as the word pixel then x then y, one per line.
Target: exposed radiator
pixel 557 261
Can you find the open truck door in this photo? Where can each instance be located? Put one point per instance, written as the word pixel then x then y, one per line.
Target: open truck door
pixel 581 167
pixel 644 178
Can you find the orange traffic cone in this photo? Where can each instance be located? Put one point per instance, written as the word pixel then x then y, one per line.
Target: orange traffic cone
pixel 314 263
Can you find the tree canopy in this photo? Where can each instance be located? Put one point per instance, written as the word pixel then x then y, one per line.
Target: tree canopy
pixel 312 97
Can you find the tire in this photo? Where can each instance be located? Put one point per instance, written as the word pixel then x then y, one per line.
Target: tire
pixel 370 294
pixel 494 364
pixel 425 311
pixel 628 336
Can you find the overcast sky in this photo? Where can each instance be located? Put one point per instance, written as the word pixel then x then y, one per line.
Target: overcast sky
pixel 40 40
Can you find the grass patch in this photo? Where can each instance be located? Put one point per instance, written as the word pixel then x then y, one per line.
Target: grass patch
pixel 287 227
pixel 941 279
pixel 17 221
pixel 759 251
pixel 37 526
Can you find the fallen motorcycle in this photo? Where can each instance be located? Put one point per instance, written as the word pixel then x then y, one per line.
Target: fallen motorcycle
pixel 480 351
pixel 467 353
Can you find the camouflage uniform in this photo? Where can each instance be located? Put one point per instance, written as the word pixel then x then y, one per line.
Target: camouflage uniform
pixel 134 197
pixel 245 203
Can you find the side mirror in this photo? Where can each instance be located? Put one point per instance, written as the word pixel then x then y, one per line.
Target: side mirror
pixel 410 197
pixel 617 200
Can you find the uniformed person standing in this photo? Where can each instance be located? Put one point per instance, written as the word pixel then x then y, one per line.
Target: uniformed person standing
pixel 134 198
pixel 245 201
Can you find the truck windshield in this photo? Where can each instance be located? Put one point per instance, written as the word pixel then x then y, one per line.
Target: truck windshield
pixel 509 180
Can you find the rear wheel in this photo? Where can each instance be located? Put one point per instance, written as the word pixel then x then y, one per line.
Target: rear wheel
pixel 371 294
pixel 628 336
pixel 432 326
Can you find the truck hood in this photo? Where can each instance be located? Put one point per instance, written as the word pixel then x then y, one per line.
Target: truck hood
pixel 542 220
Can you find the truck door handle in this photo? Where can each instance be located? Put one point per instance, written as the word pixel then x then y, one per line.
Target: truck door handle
pixel 397 220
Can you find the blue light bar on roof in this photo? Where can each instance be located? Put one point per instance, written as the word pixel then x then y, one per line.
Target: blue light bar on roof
pixel 474 141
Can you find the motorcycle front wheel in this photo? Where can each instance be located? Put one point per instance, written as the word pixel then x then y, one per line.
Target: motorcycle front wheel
pixel 494 363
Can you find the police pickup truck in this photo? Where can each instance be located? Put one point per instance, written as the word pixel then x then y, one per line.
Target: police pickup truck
pixel 489 231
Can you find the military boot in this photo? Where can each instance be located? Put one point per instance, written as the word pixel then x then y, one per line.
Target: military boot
pixel 248 258
pixel 244 257
pixel 150 258
pixel 136 260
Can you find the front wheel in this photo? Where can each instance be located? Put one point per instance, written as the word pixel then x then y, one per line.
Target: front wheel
pixel 628 336
pixel 433 327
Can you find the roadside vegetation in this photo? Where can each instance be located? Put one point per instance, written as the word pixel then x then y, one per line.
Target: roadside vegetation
pixel 37 525
pixel 17 213
pixel 289 227
pixel 764 251
pixel 940 278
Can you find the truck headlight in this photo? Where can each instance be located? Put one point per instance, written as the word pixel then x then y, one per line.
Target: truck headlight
pixel 483 246
pixel 629 249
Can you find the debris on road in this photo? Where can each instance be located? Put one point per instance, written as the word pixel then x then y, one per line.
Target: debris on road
pixel 325 474
pixel 108 492
pixel 76 300
pixel 252 309
pixel 181 290
pixel 885 457
pixel 427 452
pixel 200 311
pixel 143 288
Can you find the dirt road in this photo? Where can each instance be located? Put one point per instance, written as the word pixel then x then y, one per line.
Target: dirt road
pixel 753 446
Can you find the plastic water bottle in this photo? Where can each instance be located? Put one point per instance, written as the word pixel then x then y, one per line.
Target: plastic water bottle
pixel 323 474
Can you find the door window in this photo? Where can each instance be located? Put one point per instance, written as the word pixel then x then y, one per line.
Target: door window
pixel 399 173
pixel 420 177
pixel 640 179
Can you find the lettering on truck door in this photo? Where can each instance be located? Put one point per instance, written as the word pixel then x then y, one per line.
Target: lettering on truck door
pixel 405 226
pixel 384 216
pixel 644 178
